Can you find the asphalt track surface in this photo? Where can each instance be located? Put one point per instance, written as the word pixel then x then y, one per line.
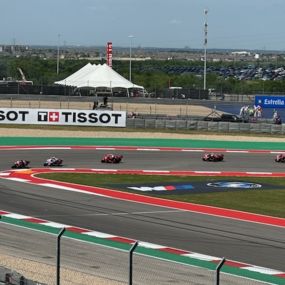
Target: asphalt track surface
pixel 241 241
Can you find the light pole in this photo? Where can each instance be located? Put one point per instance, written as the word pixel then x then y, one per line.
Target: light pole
pixel 130 68
pixel 57 61
pixel 205 47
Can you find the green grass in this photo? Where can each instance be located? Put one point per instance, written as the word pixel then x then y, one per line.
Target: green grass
pixel 266 202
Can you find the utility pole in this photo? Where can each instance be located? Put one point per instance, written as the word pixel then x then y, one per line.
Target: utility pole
pixel 57 61
pixel 205 47
pixel 130 68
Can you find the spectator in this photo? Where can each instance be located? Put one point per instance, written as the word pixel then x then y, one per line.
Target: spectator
pixel 105 101
pixel 95 105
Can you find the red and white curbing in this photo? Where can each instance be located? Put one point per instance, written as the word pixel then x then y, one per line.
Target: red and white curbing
pixel 29 176
pixel 148 245
pixel 135 148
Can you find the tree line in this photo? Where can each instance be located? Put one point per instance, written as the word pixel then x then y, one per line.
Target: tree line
pixel 149 74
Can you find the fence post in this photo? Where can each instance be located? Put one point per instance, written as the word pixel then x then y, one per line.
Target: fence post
pixel 131 262
pixel 58 256
pixel 218 269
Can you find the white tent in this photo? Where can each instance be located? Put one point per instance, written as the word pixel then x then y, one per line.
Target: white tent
pixel 75 77
pixel 97 76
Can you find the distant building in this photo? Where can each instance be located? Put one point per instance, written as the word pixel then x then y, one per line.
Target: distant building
pixel 245 53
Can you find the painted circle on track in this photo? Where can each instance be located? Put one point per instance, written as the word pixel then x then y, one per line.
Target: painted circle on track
pixel 234 184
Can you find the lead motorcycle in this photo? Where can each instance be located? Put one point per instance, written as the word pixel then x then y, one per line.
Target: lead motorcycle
pixel 213 157
pixel 280 157
pixel 112 158
pixel 20 164
pixel 53 161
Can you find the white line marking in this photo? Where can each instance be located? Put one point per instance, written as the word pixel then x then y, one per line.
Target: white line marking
pixel 157 171
pixel 148 149
pixel 18 179
pixel 238 151
pixel 4 174
pixel 60 168
pixel 99 234
pixel 105 170
pixel 57 186
pixel 51 185
pixel 105 148
pixel 201 256
pixel 193 150
pixel 205 172
pixel 55 225
pixel 151 245
pixel 262 270
pixel 252 172
pixel 16 216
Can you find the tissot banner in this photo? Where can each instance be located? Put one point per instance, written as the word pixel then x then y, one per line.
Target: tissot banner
pixel 102 118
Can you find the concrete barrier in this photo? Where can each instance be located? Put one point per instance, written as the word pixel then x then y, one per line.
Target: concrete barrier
pixel 207 126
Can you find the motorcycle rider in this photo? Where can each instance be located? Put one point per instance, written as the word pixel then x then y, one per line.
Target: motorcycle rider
pixel 52 160
pixel 19 163
pixel 110 157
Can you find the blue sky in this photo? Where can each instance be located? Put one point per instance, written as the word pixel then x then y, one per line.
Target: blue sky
pixel 237 24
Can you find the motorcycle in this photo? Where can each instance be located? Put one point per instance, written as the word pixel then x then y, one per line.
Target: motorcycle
pixel 53 161
pixel 112 158
pixel 280 157
pixel 20 164
pixel 213 157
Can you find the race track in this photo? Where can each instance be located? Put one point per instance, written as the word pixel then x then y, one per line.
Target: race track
pixel 242 241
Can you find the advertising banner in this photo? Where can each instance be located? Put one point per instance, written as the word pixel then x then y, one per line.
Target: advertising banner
pixel 96 118
pixel 270 101
pixel 109 54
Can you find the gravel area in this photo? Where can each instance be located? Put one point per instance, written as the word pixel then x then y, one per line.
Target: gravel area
pixel 45 274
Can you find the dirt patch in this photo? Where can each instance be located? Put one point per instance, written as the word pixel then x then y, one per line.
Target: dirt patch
pixel 172 110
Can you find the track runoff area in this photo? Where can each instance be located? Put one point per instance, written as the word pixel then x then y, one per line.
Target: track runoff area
pixel 173 254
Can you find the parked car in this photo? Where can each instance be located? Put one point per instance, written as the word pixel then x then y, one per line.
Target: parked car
pixel 225 118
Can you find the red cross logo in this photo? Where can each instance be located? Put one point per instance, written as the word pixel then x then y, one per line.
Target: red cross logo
pixel 53 116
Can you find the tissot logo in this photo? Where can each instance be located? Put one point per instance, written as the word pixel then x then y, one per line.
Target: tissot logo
pixel 48 116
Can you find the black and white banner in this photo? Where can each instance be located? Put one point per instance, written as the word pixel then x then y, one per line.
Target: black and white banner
pixel 102 118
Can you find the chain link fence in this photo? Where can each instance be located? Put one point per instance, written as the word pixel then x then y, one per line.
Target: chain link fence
pixel 41 256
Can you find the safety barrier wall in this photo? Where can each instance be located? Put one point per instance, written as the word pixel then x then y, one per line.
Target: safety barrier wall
pixel 42 256
pixel 223 127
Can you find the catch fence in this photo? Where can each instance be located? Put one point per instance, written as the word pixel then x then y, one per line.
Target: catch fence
pixel 37 254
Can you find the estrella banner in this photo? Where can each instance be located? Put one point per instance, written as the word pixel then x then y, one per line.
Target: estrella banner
pixel 270 101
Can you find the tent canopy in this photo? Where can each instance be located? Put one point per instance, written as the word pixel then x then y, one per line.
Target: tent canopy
pixel 96 76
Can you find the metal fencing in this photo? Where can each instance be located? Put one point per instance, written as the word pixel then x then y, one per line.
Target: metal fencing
pixel 205 126
pixel 31 255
